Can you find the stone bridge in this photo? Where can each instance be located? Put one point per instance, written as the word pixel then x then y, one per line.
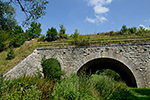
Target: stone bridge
pixel 131 61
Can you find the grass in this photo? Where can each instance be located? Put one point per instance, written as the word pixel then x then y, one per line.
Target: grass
pixel 141 93
pixel 99 39
pixel 133 94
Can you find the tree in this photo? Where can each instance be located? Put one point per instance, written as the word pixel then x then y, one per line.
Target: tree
pixel 76 36
pixel 10 54
pixel 62 32
pixel 132 30
pixel 7 16
pixel 33 9
pixel 51 34
pixel 3 37
pixel 34 31
pixel 123 30
pixel 17 36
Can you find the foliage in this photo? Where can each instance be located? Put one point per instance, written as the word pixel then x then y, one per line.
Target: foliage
pixel 7 14
pixel 111 73
pixel 34 31
pixel 51 34
pixel 83 42
pixel 75 88
pixel 2 85
pixel 72 87
pixel 21 88
pixel 62 32
pixel 123 95
pixel 33 9
pixel 20 53
pixel 76 36
pixel 42 38
pixel 17 37
pixel 123 30
pixel 141 31
pixel 51 69
pixel 133 30
pixel 3 38
pixel 10 54
pixel 46 88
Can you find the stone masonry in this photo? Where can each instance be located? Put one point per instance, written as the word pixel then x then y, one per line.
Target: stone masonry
pixel 135 56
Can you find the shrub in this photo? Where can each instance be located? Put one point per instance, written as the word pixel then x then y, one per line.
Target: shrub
pixel 52 69
pixel 10 54
pixel 76 36
pixel 46 88
pixel 42 38
pixel 123 30
pixel 112 74
pixel 82 41
pixel 62 32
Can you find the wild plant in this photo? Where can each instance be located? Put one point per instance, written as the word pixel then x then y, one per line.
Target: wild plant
pixel 46 88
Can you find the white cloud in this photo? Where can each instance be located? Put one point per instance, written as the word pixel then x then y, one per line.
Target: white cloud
pixel 97 2
pixel 147 28
pixel 147 20
pixel 97 20
pixel 99 9
pixel 90 20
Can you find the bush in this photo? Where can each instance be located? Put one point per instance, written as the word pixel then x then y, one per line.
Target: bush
pixel 52 69
pixel 42 38
pixel 81 41
pixel 10 54
pixel 62 32
pixel 76 36
pixel 112 74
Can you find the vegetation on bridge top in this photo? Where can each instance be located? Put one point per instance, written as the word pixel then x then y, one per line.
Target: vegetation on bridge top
pixel 30 40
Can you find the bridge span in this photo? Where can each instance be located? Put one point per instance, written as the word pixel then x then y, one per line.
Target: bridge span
pixel 130 61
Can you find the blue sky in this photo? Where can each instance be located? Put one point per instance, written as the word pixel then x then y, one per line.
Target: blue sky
pixel 93 16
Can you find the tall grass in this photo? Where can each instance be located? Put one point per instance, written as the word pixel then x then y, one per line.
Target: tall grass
pixel 96 87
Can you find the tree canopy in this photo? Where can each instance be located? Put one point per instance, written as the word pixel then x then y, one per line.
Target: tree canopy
pixel 34 31
pixel 33 9
pixel 51 34
pixel 7 16
pixel 62 32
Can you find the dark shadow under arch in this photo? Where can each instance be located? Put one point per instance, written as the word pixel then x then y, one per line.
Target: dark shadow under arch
pixel 107 63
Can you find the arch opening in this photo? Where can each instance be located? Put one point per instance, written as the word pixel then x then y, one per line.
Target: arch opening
pixel 108 63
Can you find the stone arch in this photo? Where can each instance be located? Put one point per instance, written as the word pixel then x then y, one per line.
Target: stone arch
pixel 115 59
